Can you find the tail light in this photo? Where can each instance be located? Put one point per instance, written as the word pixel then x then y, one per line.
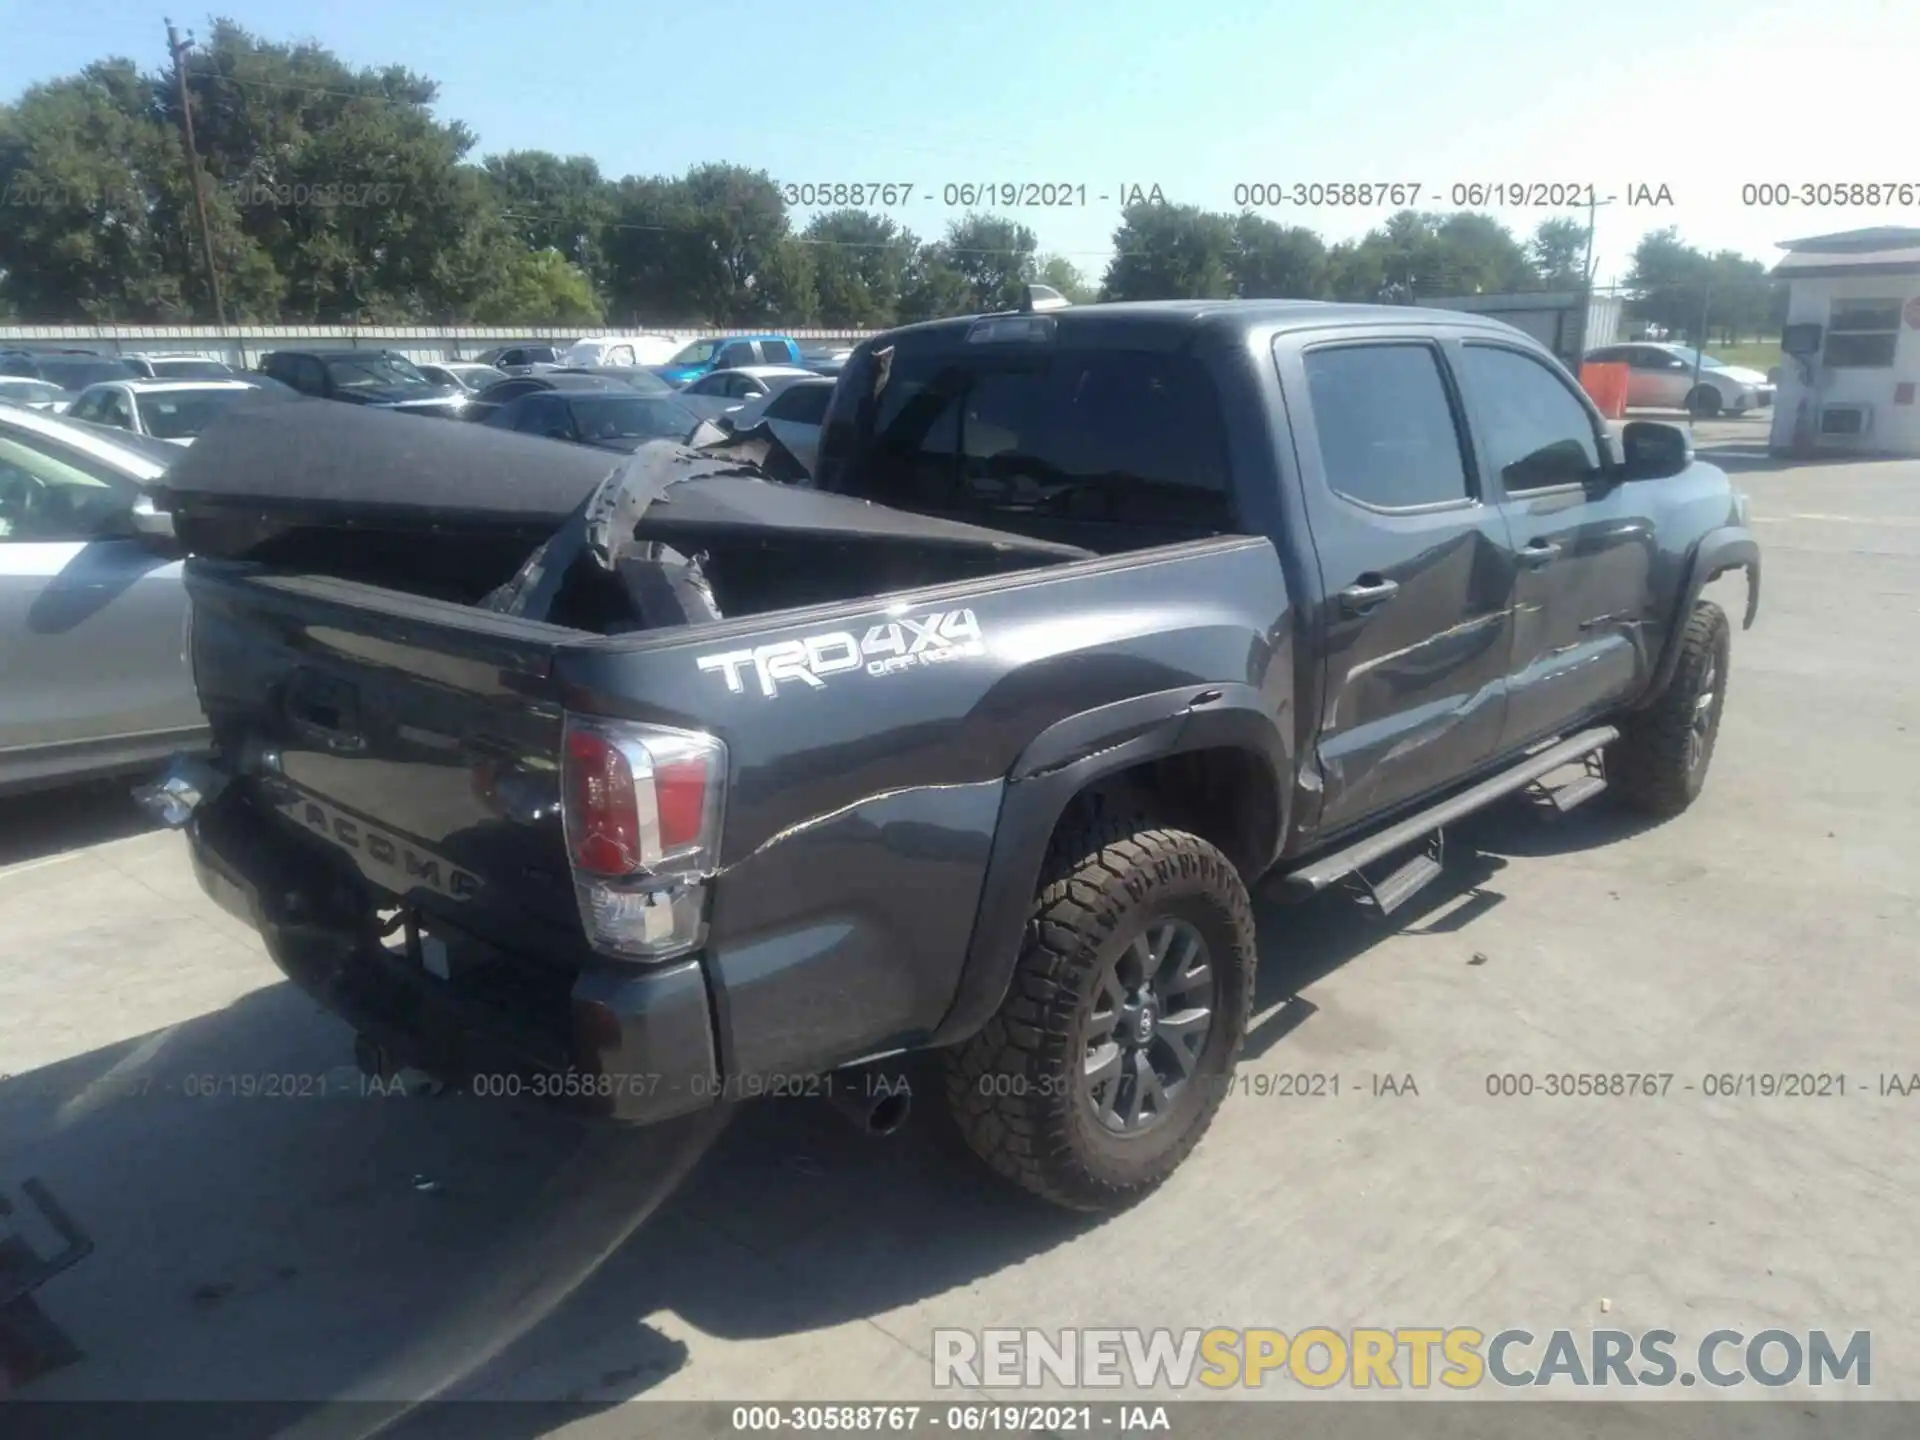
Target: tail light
pixel 642 806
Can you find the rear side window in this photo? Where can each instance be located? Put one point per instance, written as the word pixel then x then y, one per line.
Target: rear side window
pixel 1115 436
pixel 802 404
pixel 1386 428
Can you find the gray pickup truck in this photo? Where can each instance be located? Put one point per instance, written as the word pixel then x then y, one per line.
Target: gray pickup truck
pixel 644 791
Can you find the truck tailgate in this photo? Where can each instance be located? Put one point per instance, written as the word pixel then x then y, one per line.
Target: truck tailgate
pixel 420 740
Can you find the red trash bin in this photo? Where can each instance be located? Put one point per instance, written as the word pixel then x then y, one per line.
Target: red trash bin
pixel 1607 384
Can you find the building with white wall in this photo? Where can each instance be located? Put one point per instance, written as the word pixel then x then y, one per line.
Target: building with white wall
pixel 1854 389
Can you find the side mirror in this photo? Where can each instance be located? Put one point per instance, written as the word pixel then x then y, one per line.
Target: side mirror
pixel 1652 451
pixel 150 522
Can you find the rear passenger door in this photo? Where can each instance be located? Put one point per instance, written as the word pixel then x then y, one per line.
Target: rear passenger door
pixel 1416 571
pixel 1583 541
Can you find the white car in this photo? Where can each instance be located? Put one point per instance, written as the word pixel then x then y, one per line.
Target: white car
pixel 42 395
pixel 1661 377
pixel 621 350
pixel 720 391
pixel 171 410
pixel 179 367
pixel 795 412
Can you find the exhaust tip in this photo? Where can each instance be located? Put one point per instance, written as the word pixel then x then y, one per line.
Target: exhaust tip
pixel 888 1114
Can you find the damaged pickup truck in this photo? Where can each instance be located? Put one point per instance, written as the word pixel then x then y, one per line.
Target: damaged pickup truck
pixel 656 788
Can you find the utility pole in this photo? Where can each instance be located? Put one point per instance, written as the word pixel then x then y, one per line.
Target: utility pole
pixel 177 48
pixel 1586 265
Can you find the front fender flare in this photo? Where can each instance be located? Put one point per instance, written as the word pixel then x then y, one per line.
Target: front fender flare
pixel 1730 547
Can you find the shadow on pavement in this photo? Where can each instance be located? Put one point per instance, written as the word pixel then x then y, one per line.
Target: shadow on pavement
pixel 50 822
pixel 322 1244
pixel 1304 941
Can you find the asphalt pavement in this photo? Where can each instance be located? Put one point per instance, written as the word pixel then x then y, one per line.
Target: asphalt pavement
pixel 329 1244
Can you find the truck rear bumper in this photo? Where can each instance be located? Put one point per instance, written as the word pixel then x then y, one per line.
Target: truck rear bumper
pixel 631 1045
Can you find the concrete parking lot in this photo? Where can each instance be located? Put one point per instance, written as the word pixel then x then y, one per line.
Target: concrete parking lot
pixel 328 1246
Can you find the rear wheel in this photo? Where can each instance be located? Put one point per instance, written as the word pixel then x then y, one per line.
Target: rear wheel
pixel 1659 764
pixel 1111 1052
pixel 1704 401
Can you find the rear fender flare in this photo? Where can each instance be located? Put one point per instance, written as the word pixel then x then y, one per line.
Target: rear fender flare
pixel 1062 762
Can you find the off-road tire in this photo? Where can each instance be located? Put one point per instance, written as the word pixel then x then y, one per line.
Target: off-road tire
pixel 1016 1090
pixel 1649 767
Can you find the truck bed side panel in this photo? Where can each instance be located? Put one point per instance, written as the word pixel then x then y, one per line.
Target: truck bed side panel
pixel 865 800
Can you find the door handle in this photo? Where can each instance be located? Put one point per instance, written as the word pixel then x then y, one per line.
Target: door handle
pixel 1539 552
pixel 1367 593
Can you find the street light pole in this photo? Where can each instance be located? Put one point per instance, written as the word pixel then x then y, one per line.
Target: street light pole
pixel 177 48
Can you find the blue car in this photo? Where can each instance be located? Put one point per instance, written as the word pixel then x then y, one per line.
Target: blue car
pixel 727 352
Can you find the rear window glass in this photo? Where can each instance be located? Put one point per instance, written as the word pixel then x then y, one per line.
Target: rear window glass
pixel 1109 436
pixel 802 404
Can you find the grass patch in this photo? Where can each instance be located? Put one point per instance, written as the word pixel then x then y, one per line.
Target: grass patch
pixel 1761 355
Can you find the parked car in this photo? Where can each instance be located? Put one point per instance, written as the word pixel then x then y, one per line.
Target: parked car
pixel 720 391
pixel 612 418
pixel 518 359
pixel 482 406
pixel 364 377
pixel 91 606
pixel 465 374
pixel 730 352
pixel 1661 377
pixel 36 394
pixel 1094 620
pixel 172 410
pixel 634 377
pixel 619 350
pixel 794 413
pixel 70 370
pixel 179 367
pixel 829 360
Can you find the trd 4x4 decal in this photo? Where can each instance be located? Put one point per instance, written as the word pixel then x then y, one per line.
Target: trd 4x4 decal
pixel 885 649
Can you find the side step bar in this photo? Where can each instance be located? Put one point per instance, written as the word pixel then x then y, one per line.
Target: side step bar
pixel 1319 873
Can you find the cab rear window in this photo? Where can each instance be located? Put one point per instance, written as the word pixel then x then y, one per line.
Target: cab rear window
pixel 1035 441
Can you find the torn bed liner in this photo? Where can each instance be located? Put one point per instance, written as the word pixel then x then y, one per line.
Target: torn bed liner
pixel 617 544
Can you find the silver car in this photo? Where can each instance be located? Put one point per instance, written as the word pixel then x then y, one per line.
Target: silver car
pixel 720 391
pixel 92 609
pixel 1662 377
pixel 793 413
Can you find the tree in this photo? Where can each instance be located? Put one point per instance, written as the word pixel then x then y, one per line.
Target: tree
pixel 860 265
pixel 96 202
pixel 1558 251
pixel 341 176
pixel 548 200
pixel 1668 281
pixel 713 246
pixel 539 287
pixel 1165 252
pixel 1063 275
pixel 1276 261
pixel 933 287
pixel 994 257
pixel 1418 255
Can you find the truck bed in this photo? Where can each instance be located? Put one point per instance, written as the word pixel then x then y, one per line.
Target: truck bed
pixel 395 748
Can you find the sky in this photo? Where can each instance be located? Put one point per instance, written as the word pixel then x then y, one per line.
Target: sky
pixel 1701 99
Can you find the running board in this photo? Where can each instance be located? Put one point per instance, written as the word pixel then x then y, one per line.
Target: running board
pixel 1319 873
pixel 1575 792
